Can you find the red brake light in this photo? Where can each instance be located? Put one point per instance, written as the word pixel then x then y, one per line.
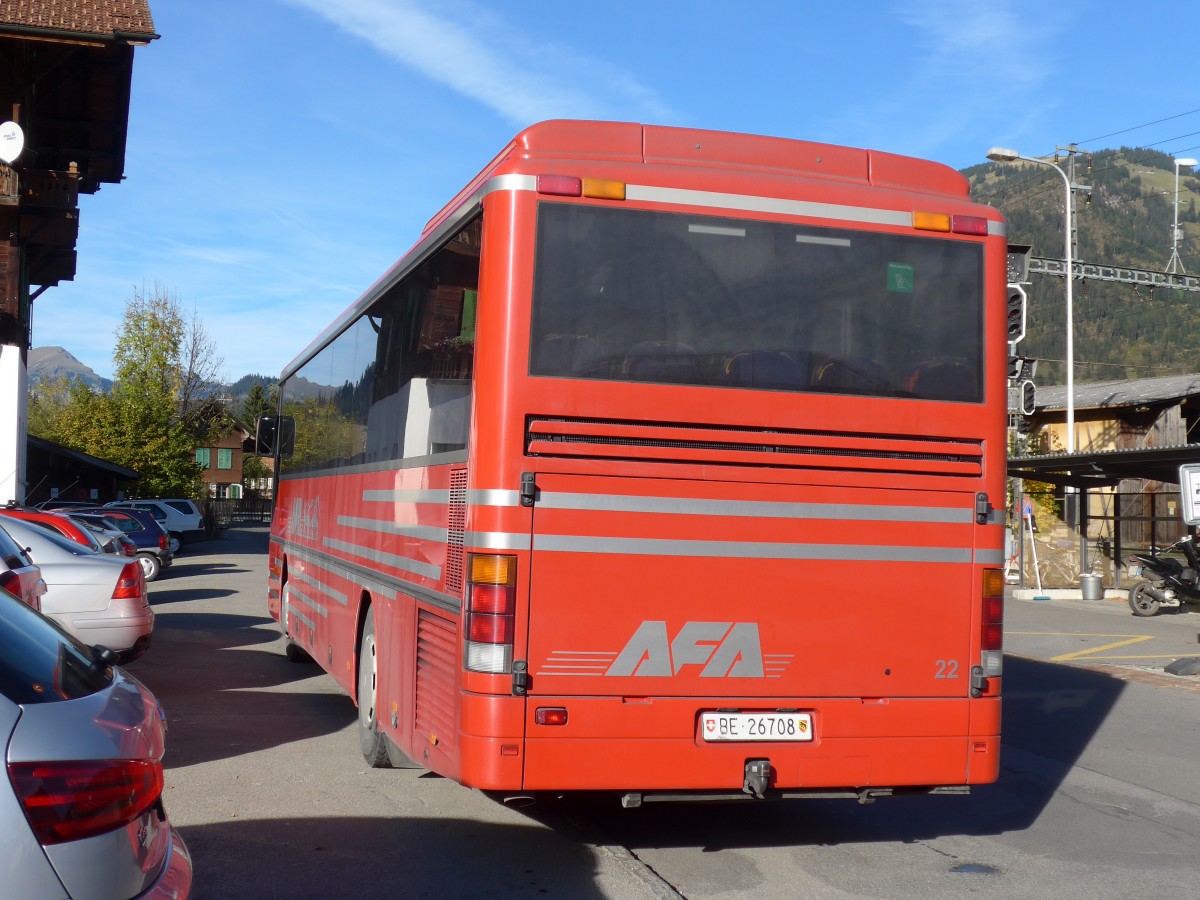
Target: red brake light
pixel 162 542
pixel 67 801
pixel 131 584
pixel 550 715
pixel 484 629
pixel 560 185
pixel 496 599
pixel 993 623
pixel 969 225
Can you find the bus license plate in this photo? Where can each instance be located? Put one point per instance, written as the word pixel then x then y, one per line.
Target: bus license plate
pixel 773 726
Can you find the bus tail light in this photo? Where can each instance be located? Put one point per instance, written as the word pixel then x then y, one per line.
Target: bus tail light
pixel 927 221
pixel 992 623
pixel 560 185
pixel 573 186
pixel 491 613
pixel 602 189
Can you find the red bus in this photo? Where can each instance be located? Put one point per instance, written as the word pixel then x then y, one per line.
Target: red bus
pixel 667 462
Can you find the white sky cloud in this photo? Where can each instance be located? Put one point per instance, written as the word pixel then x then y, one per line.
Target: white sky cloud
pixel 479 55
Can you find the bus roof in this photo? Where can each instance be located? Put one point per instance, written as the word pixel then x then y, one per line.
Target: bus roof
pixel 559 141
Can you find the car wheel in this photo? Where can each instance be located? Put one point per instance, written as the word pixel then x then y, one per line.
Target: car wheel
pixel 374 745
pixel 150 565
pixel 174 542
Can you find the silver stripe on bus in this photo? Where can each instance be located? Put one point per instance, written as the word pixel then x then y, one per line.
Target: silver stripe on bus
pixel 326 564
pixel 774 205
pixel 413 496
pixel 307 621
pixel 325 589
pixel 494 497
pixel 312 604
pixel 399 562
pixel 561 543
pixel 989 557
pixel 496 540
pixel 422 532
pixel 769 509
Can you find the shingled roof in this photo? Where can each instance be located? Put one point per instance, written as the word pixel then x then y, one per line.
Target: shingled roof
pixel 105 19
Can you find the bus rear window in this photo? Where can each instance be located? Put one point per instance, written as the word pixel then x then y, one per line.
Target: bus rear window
pixel 631 295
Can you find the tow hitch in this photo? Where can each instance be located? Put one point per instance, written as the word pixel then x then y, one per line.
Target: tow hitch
pixel 757 778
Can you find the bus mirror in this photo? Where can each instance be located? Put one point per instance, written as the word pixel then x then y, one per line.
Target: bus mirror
pixel 275 431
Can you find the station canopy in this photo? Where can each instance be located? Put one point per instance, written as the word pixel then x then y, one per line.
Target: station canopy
pixel 1105 468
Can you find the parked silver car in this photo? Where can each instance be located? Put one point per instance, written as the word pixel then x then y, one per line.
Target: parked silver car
pixel 19 575
pixel 100 599
pixel 81 811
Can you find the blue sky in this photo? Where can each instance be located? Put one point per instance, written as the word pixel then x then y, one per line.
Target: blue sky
pixel 283 153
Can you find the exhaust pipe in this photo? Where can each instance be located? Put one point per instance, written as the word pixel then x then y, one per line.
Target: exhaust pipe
pixel 519 801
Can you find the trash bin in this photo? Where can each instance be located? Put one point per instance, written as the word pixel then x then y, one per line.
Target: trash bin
pixel 1093 588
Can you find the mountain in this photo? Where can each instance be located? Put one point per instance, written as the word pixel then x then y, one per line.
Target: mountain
pixel 49 363
pixel 1121 330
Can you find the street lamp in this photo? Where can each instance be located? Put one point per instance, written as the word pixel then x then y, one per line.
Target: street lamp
pixel 1000 154
pixel 1175 260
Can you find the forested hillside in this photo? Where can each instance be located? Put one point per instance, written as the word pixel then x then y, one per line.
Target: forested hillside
pixel 1121 330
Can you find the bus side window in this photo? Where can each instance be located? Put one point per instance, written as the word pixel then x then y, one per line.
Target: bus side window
pixel 425 355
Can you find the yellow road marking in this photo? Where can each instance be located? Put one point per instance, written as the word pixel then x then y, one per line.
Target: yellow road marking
pixel 1088 653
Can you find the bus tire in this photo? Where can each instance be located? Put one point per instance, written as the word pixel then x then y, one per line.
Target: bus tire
pixel 295 653
pixel 398 759
pixel 374 745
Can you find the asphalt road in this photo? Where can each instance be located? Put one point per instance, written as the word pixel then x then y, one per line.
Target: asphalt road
pixel 1099 794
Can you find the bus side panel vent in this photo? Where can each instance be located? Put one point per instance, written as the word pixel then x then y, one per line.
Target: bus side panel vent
pixel 437 657
pixel 457 528
pixel 681 442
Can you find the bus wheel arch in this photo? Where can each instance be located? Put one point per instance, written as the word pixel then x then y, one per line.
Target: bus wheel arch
pixel 293 651
pixel 379 751
pixel 370 740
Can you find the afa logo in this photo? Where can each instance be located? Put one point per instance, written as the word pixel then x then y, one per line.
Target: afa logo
pixel 723 649
pixel 305 518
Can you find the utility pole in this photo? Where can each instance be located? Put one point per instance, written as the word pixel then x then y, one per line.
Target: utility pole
pixel 1071 150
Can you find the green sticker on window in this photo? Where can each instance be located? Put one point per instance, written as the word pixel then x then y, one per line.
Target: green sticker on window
pixel 900 278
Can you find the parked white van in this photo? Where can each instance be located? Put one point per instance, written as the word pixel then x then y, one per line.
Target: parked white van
pixel 179 517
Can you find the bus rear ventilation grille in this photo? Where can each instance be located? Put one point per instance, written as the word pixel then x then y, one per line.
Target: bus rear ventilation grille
pixel 673 442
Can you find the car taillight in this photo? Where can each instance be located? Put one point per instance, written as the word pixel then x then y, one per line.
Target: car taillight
pixel 491 613
pixel 67 801
pixel 131 584
pixel 162 541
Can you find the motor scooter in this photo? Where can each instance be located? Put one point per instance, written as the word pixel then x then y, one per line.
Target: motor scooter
pixel 1170 582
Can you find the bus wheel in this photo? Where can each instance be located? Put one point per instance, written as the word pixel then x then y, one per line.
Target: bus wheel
pixel 374 745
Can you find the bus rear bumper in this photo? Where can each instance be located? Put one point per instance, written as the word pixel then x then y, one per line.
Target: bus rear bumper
pixel 657 746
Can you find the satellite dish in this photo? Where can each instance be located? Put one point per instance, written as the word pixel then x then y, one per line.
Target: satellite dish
pixel 12 141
